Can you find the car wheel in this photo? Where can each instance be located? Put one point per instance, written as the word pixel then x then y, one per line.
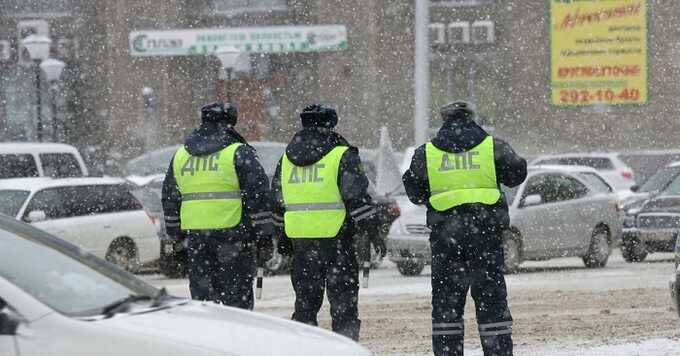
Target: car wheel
pixel 511 253
pixel 633 250
pixel 122 253
pixel 412 267
pixel 599 250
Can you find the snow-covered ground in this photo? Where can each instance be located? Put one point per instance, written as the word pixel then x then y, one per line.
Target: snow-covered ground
pixel 559 306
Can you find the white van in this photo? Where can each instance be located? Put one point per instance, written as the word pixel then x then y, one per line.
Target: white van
pixel 30 159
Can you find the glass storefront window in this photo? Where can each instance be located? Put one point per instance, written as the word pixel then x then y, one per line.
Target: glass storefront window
pixel 35 7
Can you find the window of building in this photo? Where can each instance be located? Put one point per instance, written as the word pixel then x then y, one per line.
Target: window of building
pixel 35 7
pixel 236 6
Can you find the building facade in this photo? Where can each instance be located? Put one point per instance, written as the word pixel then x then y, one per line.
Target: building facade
pixel 100 102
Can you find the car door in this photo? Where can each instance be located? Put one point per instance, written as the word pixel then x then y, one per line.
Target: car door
pixel 577 207
pixel 91 215
pixel 55 203
pixel 536 222
pixel 70 215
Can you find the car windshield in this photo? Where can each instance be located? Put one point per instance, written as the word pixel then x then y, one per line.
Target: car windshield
pixel 12 201
pixel 155 162
pixel 67 279
pixel 673 188
pixel 660 179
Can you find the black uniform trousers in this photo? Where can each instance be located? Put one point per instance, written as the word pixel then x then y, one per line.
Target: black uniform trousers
pixel 329 264
pixel 221 270
pixel 468 254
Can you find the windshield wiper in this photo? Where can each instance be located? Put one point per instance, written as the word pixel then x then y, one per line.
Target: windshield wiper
pixel 124 303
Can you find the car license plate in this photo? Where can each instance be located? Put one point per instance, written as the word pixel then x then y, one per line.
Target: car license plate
pixel 657 236
pixel 168 248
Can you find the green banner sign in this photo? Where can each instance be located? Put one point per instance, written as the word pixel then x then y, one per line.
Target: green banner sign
pixel 274 39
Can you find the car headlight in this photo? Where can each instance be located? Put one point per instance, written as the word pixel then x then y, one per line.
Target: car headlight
pixel 629 221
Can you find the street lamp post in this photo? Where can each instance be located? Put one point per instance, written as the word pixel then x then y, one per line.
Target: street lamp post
pixel 53 69
pixel 39 49
pixel 422 72
pixel 231 59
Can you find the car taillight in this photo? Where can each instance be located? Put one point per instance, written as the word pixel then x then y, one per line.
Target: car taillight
pixel 151 217
pixel 394 207
pixel 627 174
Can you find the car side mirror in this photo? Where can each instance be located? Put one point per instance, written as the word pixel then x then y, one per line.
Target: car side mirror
pixel 532 200
pixel 37 216
pixel 9 323
pixel 635 188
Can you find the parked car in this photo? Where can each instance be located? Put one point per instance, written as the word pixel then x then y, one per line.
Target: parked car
pixel 653 185
pixel 675 280
pixel 97 214
pixel 645 163
pixel 73 303
pixel 610 166
pixel 142 169
pixel 654 226
pixel 557 212
pixel 28 159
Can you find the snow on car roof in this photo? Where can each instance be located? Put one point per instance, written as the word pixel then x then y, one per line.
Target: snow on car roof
pixel 34 184
pixel 563 168
pixel 34 147
pixel 585 154
pixel 673 164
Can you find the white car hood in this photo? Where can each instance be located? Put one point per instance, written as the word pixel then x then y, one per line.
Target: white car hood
pixel 232 331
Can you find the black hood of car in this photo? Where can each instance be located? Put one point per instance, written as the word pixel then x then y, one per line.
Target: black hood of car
pixel 309 145
pixel 459 135
pixel 668 203
pixel 211 138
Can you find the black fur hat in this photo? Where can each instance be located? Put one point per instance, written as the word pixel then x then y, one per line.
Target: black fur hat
pixel 319 115
pixel 219 112
pixel 457 110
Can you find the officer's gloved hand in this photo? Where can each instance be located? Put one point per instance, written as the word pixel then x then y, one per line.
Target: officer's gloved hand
pixel 285 246
pixel 265 248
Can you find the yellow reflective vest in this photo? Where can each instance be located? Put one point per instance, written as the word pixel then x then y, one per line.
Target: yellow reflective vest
pixel 313 204
pixel 462 178
pixel 209 188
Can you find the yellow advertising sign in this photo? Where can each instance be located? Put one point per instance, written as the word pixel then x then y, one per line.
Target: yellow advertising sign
pixel 598 51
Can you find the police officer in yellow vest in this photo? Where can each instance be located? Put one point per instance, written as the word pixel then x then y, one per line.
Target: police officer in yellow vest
pixel 216 195
pixel 458 176
pixel 321 201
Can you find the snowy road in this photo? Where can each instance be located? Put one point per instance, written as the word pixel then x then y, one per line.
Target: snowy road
pixel 559 307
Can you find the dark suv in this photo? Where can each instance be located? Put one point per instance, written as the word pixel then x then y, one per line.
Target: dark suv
pixel 655 228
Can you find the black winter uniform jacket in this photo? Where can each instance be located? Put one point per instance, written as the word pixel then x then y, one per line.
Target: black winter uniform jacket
pixel 256 197
pixel 309 146
pixel 460 136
